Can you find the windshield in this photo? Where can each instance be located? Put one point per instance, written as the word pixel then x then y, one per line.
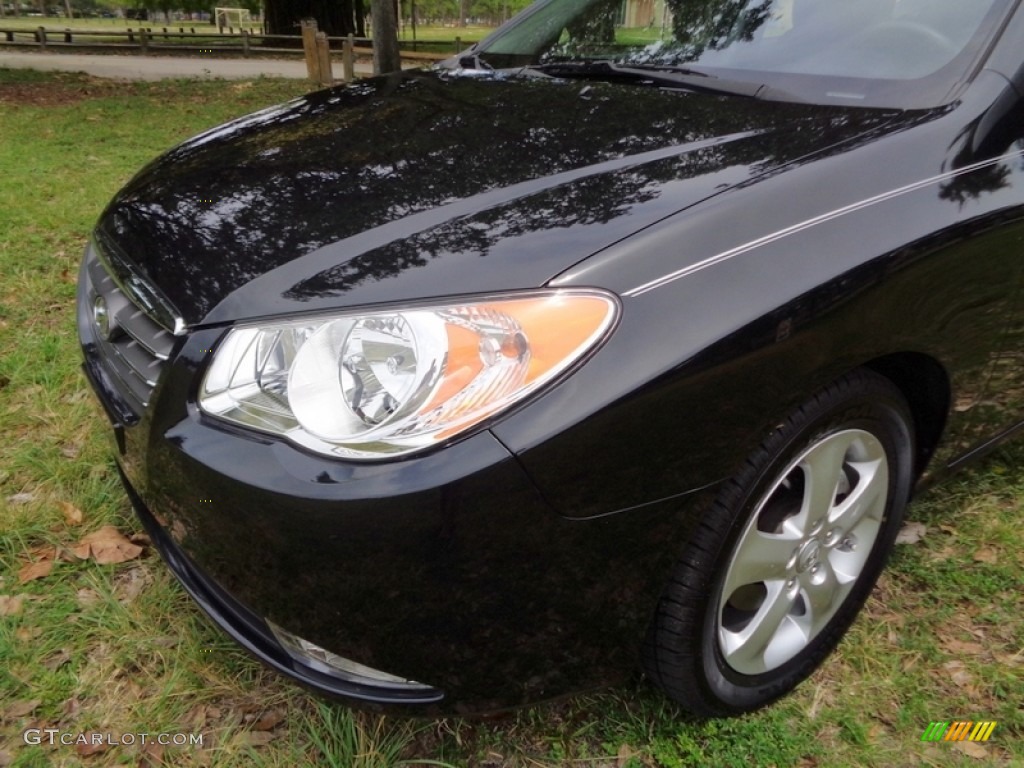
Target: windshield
pixel 903 53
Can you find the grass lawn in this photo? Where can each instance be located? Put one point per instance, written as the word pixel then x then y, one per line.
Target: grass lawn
pixel 90 647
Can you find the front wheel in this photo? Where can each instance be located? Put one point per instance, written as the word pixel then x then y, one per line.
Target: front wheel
pixel 787 553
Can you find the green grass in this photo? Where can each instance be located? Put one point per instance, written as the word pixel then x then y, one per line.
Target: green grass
pixel 120 648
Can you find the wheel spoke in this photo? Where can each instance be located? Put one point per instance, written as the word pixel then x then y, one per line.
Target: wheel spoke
pixel 759 557
pixel 866 498
pixel 823 468
pixel 741 649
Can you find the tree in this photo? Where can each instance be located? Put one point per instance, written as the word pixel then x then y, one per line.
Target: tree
pixel 385 37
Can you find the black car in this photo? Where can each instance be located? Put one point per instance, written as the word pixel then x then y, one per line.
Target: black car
pixel 592 349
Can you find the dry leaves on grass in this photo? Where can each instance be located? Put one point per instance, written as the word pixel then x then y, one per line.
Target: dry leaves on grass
pixel 253 738
pixel 40 568
pixel 129 584
pixel 11 605
pixel 957 673
pixel 90 746
pixel 964 647
pixel 971 749
pixel 986 555
pixel 269 721
pixel 107 546
pixel 27 634
pixel 17 709
pixel 624 754
pixel 72 514
pixel 911 533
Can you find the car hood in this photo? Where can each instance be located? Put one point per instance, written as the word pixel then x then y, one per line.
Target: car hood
pixel 429 184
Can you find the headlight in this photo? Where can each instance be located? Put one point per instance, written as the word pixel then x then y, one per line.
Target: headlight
pixel 376 384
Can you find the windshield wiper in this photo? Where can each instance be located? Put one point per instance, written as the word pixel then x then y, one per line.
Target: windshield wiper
pixel 660 75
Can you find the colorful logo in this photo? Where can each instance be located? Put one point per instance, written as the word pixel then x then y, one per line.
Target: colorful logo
pixel 960 730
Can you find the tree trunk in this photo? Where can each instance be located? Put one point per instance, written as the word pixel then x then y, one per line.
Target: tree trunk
pixel 335 17
pixel 359 7
pixel 385 37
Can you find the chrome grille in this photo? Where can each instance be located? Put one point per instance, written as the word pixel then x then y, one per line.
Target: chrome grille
pixel 136 348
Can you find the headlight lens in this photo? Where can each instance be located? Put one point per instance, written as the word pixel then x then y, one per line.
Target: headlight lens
pixel 376 384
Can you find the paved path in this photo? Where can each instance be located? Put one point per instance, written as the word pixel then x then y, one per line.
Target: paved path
pixel 162 67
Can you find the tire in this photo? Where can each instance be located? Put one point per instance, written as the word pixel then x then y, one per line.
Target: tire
pixel 781 564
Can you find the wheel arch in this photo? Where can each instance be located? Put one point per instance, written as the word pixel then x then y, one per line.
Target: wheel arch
pixel 925 384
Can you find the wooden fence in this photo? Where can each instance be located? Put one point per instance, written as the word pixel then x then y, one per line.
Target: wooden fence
pixel 169 40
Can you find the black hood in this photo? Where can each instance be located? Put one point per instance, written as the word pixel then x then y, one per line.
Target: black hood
pixel 420 185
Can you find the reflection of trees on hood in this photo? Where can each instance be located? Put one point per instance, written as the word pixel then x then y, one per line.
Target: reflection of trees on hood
pixel 245 198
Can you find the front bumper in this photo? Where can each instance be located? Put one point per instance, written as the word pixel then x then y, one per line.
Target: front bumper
pixel 252 633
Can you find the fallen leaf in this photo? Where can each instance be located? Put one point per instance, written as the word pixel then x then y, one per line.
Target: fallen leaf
pixel 27 634
pixel 152 756
pixel 86 597
pixel 57 660
pixel 911 533
pixel 270 720
pixel 6 758
pixel 625 752
pixel 960 646
pixel 945 553
pixel 72 514
pixel 1011 659
pixel 986 555
pixel 197 717
pixel 129 584
pixel 21 708
pixel 971 749
pixel 90 748
pixel 20 498
pixel 254 738
pixel 960 676
pixel 10 605
pixel 70 451
pixel 107 546
pixel 36 570
pixel 71 708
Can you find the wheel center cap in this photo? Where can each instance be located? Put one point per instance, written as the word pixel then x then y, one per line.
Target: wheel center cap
pixel 808 556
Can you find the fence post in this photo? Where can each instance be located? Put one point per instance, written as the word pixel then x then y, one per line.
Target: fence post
pixel 245 43
pixel 458 44
pixel 131 35
pixel 309 49
pixel 323 55
pixel 67 35
pixel 143 40
pixel 41 36
pixel 348 59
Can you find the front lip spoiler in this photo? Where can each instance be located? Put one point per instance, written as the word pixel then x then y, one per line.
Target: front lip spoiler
pixel 252 633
